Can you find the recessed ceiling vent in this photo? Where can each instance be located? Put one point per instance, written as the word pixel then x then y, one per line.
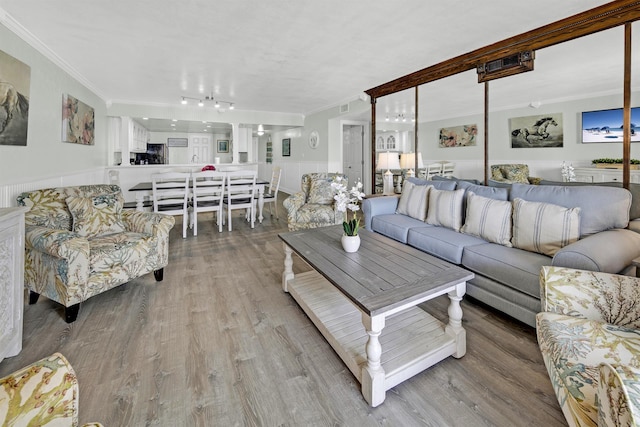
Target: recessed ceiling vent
pixel 344 108
pixel 507 66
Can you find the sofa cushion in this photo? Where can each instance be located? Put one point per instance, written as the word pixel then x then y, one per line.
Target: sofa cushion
pixel 48 208
pixel 544 227
pixel 119 250
pixel 395 226
pixel 413 201
pixel 441 242
pixel 488 219
pixel 498 193
pixel 445 208
pixel 320 192
pixel 97 215
pixel 516 268
pixel 447 184
pixel 602 208
pixel 311 213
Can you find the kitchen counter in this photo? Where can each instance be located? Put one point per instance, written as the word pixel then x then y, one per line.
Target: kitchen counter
pixel 130 175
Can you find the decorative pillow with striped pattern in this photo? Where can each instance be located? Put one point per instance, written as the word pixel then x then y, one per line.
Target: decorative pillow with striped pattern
pixel 489 219
pixel 445 208
pixel 413 201
pixel 543 227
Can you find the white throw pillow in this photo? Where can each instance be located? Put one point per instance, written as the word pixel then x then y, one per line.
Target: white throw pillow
pixel 413 201
pixel 445 208
pixel 489 219
pixel 543 227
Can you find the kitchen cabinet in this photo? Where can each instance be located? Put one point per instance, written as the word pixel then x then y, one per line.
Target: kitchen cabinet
pixel 11 280
pixel 133 135
pixel 605 175
pixel 392 141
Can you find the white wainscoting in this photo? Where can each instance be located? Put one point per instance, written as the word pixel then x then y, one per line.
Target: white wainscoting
pixel 9 192
pixel 292 172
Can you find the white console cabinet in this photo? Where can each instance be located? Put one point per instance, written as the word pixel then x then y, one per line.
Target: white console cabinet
pixel 11 280
pixel 605 175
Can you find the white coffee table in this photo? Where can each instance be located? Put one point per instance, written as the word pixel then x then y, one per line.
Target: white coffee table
pixel 352 297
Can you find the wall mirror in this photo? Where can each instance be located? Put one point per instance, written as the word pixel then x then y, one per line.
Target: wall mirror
pixel 394 136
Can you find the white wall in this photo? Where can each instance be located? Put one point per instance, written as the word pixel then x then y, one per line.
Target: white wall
pixel 45 155
pixel 543 162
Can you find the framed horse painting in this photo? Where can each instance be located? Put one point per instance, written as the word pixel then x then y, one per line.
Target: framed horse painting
pixel 543 130
pixel 15 81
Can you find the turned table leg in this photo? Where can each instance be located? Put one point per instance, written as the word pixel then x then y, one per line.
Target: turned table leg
pixel 454 328
pixel 288 267
pixel 373 375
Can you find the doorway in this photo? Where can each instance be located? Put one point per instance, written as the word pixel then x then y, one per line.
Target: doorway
pixel 353 136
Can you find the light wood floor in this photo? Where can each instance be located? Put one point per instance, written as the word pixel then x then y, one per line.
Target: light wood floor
pixel 218 343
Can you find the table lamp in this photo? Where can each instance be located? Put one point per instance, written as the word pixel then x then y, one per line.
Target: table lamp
pixel 408 161
pixel 388 161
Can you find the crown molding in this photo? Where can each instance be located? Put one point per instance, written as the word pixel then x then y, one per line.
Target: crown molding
pixel 18 29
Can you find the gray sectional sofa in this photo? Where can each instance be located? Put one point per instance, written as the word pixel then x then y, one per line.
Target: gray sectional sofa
pixel 593 222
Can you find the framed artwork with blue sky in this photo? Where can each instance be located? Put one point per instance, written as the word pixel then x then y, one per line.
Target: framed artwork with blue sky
pixel 606 125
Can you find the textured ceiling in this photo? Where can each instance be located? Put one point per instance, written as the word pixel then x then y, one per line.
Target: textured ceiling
pixel 292 56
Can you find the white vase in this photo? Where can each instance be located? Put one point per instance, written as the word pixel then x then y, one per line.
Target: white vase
pixel 350 243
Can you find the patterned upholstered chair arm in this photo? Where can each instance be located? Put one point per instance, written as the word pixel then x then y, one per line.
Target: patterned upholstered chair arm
pixel 604 297
pixel 148 222
pixel 59 243
pixel 43 393
pixel 534 180
pixel 293 203
pixel 618 396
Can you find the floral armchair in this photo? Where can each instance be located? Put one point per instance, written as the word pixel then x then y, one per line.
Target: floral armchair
pixel 44 393
pixel 510 173
pixel 79 242
pixel 314 206
pixel 589 336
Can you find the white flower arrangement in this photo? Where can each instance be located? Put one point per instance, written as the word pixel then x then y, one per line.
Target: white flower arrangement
pixel 348 200
pixel 568 173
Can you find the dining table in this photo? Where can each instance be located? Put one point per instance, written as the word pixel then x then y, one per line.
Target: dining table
pixel 144 191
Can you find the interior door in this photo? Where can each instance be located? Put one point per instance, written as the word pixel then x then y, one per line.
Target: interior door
pixel 352 143
pixel 200 148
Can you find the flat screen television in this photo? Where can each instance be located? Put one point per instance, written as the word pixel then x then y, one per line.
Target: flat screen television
pixel 606 125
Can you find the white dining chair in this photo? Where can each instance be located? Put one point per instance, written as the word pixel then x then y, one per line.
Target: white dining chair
pixel 114 177
pixel 240 194
pixel 171 195
pixel 207 190
pixel 447 169
pixel 434 169
pixel 271 196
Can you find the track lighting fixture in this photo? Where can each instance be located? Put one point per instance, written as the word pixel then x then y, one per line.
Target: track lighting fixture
pixel 218 103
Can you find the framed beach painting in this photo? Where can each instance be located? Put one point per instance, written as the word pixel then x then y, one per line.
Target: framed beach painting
pixel 539 131
pixel 78 121
pixel 606 125
pixel 223 146
pixel 458 136
pixel 15 82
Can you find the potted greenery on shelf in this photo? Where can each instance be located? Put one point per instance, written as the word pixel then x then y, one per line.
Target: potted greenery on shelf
pixel 608 163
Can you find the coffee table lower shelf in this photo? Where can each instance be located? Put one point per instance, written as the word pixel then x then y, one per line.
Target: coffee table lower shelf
pixel 412 340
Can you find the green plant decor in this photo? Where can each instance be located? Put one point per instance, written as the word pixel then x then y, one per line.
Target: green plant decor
pixel 614 161
pixel 348 200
